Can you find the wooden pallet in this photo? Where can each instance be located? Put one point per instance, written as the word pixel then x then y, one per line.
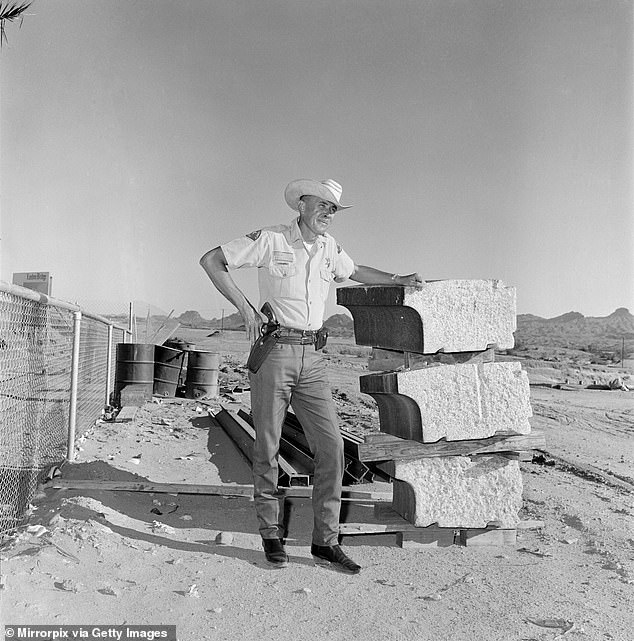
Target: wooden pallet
pixel 410 536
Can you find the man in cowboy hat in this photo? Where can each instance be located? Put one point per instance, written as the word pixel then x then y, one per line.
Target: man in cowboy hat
pixel 298 262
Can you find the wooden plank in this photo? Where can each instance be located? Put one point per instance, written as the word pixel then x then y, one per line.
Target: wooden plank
pixel 475 537
pixel 385 447
pixel 428 537
pixel 148 486
pixel 434 536
pixel 530 524
pixel 382 360
pixel 350 529
pixel 126 414
pixel 134 394
pixel 220 490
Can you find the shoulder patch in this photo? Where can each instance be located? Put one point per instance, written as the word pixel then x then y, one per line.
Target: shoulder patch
pixel 254 235
pixel 339 249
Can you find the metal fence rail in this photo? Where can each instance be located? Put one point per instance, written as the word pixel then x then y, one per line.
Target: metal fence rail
pixel 55 375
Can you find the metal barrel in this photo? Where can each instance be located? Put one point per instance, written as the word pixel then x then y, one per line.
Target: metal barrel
pixel 134 366
pixel 168 363
pixel 202 374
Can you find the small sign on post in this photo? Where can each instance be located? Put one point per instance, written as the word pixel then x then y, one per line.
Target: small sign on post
pixel 41 282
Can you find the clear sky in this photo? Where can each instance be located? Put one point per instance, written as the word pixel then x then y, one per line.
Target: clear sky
pixel 476 139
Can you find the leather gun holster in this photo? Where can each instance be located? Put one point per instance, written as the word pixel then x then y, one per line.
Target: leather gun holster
pixel 269 333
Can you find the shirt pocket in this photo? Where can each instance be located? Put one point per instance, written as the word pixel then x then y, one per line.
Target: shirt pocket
pixel 282 268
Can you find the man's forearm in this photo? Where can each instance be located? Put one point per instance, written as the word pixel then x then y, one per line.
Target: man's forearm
pixel 215 265
pixel 372 276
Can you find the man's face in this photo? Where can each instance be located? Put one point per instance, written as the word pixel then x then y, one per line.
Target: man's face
pixel 316 214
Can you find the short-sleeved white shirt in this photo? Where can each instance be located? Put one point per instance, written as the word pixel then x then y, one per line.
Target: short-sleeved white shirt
pixel 294 277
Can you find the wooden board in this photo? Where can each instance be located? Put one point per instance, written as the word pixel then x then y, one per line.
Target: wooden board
pixel 409 536
pixel 487 536
pixel 186 488
pixel 382 360
pixel 126 414
pixel 379 446
pixel 148 486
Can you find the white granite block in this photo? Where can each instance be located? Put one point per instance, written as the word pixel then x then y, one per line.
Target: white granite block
pixel 456 402
pixel 444 315
pixel 458 492
pixel 464 315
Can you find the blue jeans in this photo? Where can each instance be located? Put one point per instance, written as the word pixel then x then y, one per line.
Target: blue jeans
pixel 296 375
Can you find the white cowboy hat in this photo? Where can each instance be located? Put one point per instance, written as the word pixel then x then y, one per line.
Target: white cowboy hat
pixel 327 189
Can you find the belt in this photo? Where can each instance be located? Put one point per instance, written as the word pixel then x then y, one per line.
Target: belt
pixel 293 336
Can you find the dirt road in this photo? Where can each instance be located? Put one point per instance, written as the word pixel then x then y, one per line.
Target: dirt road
pixel 195 561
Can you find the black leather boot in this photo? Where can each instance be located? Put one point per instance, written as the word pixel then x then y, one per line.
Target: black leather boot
pixel 334 556
pixel 275 553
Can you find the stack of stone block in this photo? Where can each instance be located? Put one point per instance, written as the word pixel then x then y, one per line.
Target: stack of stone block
pixel 448 388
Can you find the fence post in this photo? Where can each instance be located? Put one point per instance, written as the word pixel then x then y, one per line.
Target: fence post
pixel 74 381
pixel 109 365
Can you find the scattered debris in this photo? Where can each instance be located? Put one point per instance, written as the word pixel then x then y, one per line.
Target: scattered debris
pixel 68 585
pixel 224 538
pixel 157 526
pixel 560 624
pixel 535 552
pixel 36 530
pixel 108 591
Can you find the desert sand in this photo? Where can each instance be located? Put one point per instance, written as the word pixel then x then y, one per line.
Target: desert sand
pixel 195 561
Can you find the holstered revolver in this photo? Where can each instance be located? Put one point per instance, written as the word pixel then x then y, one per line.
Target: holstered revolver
pixel 269 333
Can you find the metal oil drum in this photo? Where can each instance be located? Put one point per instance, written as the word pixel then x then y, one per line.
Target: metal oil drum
pixel 202 374
pixel 134 366
pixel 168 364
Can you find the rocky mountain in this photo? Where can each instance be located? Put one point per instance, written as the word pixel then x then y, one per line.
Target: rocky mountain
pixel 576 331
pixel 340 325
pixel 572 330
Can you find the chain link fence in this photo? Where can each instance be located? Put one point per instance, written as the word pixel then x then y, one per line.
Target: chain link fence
pixel 55 373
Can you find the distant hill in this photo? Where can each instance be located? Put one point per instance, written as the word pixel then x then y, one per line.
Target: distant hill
pixel 340 325
pixel 571 330
pixel 196 321
pixel 576 331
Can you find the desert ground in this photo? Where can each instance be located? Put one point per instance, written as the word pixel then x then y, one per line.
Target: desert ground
pixel 195 561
